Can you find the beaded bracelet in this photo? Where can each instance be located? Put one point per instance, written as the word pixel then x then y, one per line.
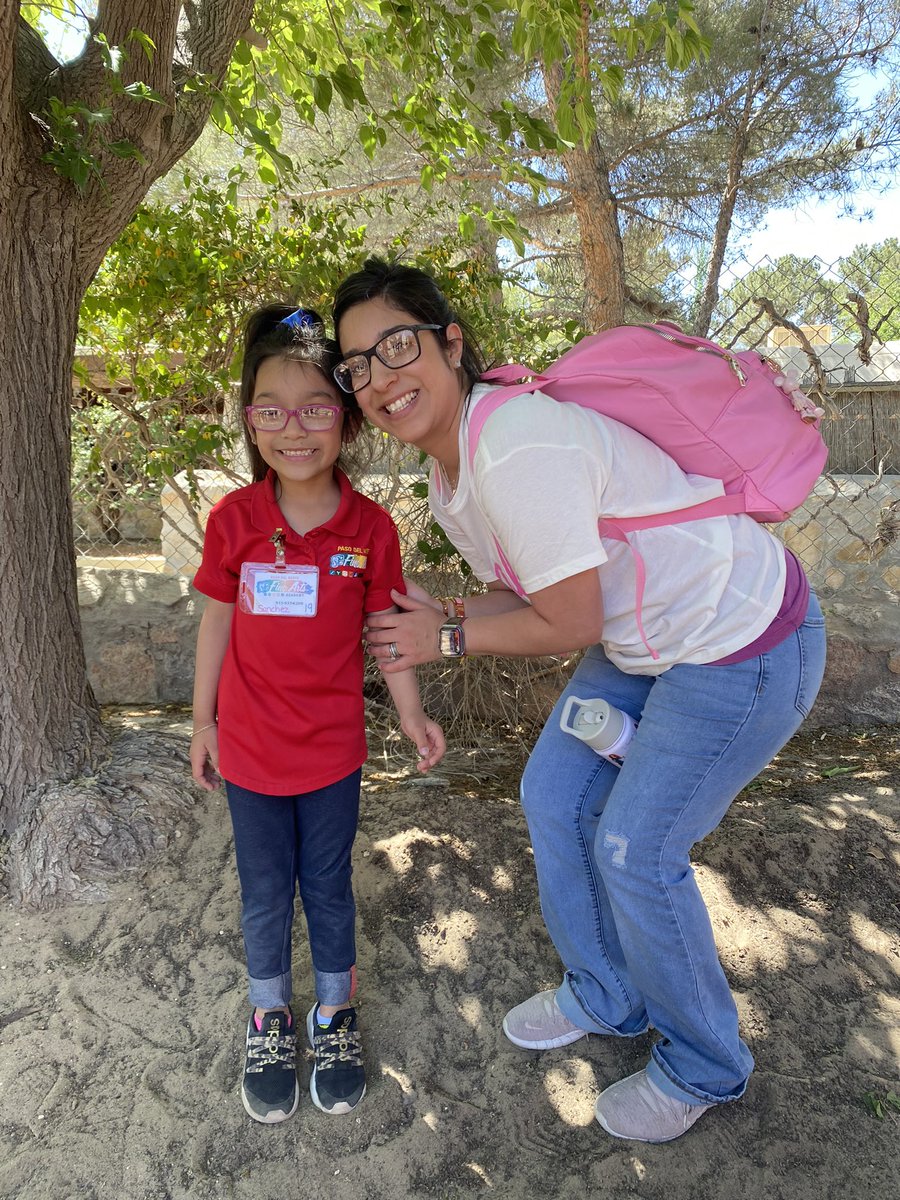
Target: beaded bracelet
pixel 203 728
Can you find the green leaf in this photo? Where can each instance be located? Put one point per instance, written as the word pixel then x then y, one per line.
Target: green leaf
pixel 367 139
pixel 142 91
pixel 322 92
pixel 348 83
pixel 146 42
pixel 126 149
pixel 243 53
pixel 107 53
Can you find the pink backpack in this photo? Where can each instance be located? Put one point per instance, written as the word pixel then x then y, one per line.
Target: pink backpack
pixel 723 414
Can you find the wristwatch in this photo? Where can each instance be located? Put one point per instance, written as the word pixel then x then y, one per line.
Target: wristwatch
pixel 451 639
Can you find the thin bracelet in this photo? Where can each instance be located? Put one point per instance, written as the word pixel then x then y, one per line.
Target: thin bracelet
pixel 459 606
pixel 203 728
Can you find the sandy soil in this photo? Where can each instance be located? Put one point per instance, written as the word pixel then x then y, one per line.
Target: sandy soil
pixel 121 1023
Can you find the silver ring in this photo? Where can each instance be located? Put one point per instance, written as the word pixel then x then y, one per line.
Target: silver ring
pixel 393 651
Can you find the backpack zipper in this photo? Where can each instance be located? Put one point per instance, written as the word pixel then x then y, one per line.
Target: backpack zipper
pixel 719 353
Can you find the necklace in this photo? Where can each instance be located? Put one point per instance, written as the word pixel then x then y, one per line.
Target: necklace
pixel 451 481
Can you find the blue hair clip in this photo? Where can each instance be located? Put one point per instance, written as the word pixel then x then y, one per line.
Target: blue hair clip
pixel 299 319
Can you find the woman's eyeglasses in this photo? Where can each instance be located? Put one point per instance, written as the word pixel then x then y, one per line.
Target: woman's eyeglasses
pixel 398 348
pixel 272 418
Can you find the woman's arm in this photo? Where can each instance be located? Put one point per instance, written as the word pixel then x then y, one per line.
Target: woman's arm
pixel 564 617
pixel 212 642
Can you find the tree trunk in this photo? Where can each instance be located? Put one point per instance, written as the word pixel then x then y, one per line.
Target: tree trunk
pixel 75 806
pixel 597 214
pixel 710 296
pixel 49 722
pixel 725 217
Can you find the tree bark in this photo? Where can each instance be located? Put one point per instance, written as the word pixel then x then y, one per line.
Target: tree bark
pixel 53 748
pixel 734 179
pixel 596 212
pixel 724 219
pixel 49 725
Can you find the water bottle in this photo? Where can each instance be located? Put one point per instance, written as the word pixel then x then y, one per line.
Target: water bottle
pixel 605 729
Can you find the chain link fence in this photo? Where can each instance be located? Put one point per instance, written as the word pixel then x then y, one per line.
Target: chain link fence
pixel 839 331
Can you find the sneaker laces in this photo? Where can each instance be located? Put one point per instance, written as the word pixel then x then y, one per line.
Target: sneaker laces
pixel 337 1046
pixel 272 1048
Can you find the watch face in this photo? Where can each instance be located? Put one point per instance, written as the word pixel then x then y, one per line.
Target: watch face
pixel 451 642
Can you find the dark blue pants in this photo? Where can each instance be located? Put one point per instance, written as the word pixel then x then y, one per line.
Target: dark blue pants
pixel 282 843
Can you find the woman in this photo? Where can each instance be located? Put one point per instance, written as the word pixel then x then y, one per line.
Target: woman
pixel 738 651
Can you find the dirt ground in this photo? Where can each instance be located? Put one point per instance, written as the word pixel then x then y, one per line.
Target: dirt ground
pixel 121 1023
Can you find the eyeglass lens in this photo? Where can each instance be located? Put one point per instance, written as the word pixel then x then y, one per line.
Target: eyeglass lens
pixel 271 418
pixel 397 349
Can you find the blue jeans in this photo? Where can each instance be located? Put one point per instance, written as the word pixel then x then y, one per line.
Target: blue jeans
pixel 282 843
pixel 612 849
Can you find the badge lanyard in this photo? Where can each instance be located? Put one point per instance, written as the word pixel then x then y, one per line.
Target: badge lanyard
pixel 281 589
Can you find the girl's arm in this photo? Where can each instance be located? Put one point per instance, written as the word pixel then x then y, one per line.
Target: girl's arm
pixel 426 734
pixel 564 617
pixel 212 642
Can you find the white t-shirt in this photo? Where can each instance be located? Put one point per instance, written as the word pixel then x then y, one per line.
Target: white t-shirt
pixel 544 473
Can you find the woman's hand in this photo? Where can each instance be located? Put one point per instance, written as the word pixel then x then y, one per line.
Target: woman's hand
pixel 413 632
pixel 415 592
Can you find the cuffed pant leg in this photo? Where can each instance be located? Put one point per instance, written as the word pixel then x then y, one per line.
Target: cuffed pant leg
pixel 265 844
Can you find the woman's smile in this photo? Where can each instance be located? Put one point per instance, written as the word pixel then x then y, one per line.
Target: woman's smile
pixel 402 403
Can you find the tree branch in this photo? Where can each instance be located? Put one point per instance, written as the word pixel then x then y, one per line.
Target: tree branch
pixel 33 67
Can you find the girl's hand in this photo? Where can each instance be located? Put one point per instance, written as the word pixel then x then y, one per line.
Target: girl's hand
pixel 205 758
pixel 413 633
pixel 428 738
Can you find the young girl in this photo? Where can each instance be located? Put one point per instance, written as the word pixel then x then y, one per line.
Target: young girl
pixel 292 566
pixel 741 648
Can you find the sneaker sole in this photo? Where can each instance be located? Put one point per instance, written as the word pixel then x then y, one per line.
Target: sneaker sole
pixel 276 1115
pixel 564 1039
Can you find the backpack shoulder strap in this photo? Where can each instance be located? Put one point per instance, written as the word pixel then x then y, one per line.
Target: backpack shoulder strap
pixel 510 380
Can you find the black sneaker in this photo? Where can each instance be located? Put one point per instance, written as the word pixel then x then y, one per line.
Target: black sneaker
pixel 270 1091
pixel 338 1081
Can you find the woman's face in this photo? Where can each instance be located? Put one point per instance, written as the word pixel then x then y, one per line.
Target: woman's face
pixel 418 403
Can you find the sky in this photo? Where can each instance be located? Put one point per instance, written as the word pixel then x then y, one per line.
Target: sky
pixel 818 228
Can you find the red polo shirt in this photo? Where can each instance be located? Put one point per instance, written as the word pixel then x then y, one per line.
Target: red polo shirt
pixel 290 700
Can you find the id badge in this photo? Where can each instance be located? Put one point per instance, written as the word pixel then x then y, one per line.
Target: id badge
pixel 288 591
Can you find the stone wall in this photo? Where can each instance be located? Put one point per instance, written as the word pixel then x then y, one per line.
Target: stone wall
pixel 139 630
pixel 140 626
pixel 847 536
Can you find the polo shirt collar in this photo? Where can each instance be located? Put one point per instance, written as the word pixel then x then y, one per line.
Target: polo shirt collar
pixel 266 516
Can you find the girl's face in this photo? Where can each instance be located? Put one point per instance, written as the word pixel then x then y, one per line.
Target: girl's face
pixel 418 403
pixel 296 455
